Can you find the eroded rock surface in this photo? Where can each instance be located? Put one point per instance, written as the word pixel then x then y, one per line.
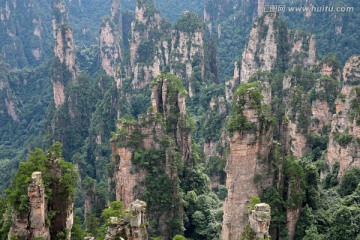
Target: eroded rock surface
pixel 111 43
pixel 259 220
pixel 65 67
pixel 344 144
pixel 246 167
pixel 133 226
pixel 32 224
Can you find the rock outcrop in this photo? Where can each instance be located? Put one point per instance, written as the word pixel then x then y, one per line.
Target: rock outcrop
pixel 344 138
pixel 261 51
pixel 187 45
pixel 155 47
pixel 64 68
pixel 154 147
pixel 247 169
pixel 33 225
pixel 111 43
pixel 8 100
pixel 231 84
pixel 259 220
pixel 47 211
pixel 294 129
pixel 149 49
pixel 267 48
pixel 323 100
pixel 21 30
pixel 303 49
pixel 63 205
pixel 133 226
pixel 38 208
pixel 273 48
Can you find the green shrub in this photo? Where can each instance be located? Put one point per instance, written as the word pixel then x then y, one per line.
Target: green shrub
pixel 343 139
pixel 349 181
pixel 179 237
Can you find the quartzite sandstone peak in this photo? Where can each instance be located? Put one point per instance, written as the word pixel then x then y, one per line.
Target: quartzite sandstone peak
pixel 344 144
pixel 187 47
pixel 65 68
pixel 149 48
pixel 163 131
pixel 249 150
pixel 33 226
pixel 111 42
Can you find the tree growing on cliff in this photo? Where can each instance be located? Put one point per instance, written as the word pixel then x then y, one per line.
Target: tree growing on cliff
pixel 59 178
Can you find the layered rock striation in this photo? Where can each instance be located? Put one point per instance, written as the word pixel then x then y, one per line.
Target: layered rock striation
pixel 33 225
pixel 344 144
pixel 65 69
pixel 261 51
pixel 111 42
pixel 8 100
pixel 156 47
pixel 149 47
pixel 23 32
pixel 154 149
pixel 187 45
pixel 247 168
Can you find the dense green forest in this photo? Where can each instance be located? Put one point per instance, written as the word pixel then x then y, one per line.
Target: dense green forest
pixel 113 104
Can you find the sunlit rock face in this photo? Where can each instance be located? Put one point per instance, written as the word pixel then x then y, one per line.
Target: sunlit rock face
pixel 132 226
pixel 65 68
pixel 149 49
pixel 259 220
pixel 344 144
pixel 163 130
pixel 111 40
pixel 33 226
pixel 247 168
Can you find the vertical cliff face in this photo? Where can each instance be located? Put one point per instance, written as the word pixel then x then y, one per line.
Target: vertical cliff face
pixel 21 30
pixel 303 48
pixel 154 149
pixel 272 47
pixel 187 45
pixel 63 205
pixel 247 169
pixel 288 58
pixel 65 68
pixel 32 224
pixel 294 134
pixel 111 43
pixel 295 125
pixel 344 144
pixel 149 49
pixel 231 84
pixel 8 100
pixel 324 94
pixel 261 51
pixel 322 106
pixel 46 210
pixel 38 207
